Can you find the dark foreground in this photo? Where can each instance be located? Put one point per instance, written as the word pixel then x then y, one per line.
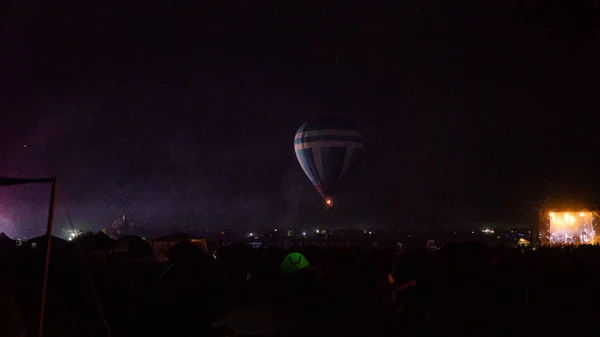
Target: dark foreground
pixel 466 290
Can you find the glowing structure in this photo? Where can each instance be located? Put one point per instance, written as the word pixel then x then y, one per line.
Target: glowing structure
pixel 567 227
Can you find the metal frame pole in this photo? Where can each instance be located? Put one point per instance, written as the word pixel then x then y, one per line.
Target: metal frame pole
pixel 48 250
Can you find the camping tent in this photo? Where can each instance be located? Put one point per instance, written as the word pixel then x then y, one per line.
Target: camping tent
pixel 95 242
pixel 6 243
pixel 523 243
pixel 161 246
pixel 131 246
pixel 40 243
pixel 293 262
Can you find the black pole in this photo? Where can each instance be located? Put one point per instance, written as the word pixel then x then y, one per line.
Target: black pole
pixel 48 250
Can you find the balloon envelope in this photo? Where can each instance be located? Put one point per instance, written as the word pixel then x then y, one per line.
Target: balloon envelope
pixel 328 150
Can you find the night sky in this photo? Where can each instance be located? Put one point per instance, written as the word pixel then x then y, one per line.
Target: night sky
pixel 183 113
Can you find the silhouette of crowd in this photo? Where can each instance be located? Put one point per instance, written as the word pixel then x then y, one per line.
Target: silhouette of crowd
pixel 466 289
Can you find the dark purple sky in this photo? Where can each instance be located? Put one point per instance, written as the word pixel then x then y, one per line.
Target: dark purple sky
pixel 183 113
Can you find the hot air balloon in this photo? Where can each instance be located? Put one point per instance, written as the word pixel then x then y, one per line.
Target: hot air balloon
pixel 328 150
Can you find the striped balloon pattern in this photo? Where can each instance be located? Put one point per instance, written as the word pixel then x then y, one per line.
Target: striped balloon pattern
pixel 328 150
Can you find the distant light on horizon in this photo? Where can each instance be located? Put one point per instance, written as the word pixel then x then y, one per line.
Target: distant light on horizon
pixel 72 234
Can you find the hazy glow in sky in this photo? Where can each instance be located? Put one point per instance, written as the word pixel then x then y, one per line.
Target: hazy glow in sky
pixel 197 130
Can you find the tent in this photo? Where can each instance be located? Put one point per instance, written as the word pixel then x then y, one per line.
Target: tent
pixel 6 243
pixel 293 262
pixel 95 242
pixel 161 246
pixel 523 243
pixel 40 243
pixel 131 246
pixel 102 242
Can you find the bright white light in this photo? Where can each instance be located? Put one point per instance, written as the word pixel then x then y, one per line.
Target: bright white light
pixel 72 234
pixel 318 231
pixel 304 233
pixel 251 234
